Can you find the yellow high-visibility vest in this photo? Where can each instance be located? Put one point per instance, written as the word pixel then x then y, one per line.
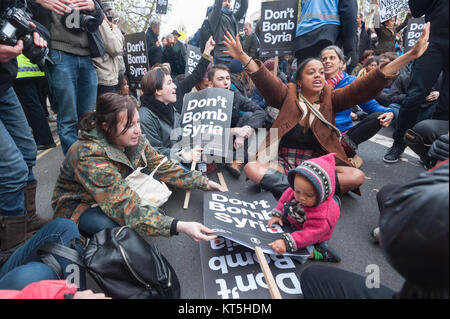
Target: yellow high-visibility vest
pixel 26 69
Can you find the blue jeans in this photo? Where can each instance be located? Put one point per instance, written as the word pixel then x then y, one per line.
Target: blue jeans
pixel 25 267
pixel 93 221
pixel 17 154
pixel 73 86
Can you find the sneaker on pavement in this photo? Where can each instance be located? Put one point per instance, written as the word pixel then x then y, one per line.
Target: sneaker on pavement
pixel 323 253
pixel 393 154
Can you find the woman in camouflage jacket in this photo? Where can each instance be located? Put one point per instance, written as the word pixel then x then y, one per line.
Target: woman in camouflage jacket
pixel 92 176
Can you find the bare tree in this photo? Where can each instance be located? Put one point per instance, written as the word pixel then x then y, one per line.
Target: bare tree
pixel 134 15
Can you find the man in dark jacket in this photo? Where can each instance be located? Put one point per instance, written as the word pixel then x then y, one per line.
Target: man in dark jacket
pixel 242 125
pixel 425 72
pixel 154 50
pixel 72 78
pixel 251 42
pixel 363 41
pixel 223 20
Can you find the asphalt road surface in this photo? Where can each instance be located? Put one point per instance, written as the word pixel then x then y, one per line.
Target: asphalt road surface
pixel 359 215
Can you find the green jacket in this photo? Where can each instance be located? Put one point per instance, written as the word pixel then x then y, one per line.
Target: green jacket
pixel 94 172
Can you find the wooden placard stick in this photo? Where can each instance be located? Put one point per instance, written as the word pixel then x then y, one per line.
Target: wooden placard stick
pixel 271 284
pixel 275 67
pixel 222 181
pixel 188 192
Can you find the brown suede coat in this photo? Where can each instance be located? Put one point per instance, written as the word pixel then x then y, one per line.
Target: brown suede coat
pixel 285 98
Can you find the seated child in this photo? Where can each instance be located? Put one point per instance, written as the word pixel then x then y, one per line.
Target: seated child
pixel 309 208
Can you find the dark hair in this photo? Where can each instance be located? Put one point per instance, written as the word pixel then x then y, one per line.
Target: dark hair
pixel 121 78
pixel 365 55
pixel 153 80
pixel 371 60
pixel 301 67
pixel 107 110
pixel 389 55
pixel 216 67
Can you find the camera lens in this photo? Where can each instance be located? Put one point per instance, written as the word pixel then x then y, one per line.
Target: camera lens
pixel 37 55
pixel 89 23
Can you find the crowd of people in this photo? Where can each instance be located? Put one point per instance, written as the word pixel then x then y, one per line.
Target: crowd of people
pixel 344 83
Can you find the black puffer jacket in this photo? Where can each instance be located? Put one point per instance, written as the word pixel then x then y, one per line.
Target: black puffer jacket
pixel 414 229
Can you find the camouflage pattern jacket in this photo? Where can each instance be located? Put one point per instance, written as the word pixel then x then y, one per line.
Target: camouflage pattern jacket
pixel 94 172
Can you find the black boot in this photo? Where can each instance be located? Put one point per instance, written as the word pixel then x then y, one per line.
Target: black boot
pixel 275 182
pixel 13 233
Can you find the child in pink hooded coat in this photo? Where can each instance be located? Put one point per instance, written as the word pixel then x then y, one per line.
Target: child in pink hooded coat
pixel 309 208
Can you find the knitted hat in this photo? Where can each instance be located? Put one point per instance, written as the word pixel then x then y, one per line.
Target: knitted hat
pixel 235 66
pixel 320 172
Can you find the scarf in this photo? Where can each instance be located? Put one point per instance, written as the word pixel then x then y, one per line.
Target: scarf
pixel 335 79
pixel 165 113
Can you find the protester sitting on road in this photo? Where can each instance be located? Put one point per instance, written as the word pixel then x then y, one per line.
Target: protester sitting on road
pixel 162 103
pixel 414 239
pixel 239 79
pixel 245 118
pixel 21 264
pixel 123 87
pixel 379 116
pixel 309 208
pixel 364 57
pixel 303 131
pixel 91 188
pixel 371 64
pixel 187 84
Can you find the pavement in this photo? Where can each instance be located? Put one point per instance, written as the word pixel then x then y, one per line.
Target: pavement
pixel 359 215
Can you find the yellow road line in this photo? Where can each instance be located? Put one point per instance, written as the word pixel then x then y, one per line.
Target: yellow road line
pixel 42 153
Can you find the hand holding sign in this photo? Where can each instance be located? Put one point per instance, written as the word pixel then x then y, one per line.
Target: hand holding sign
pixel 196 231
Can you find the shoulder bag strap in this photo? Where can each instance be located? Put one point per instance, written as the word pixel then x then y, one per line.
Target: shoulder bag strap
pixel 160 163
pixel 320 116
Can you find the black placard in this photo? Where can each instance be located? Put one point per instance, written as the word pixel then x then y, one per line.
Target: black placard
pixel 193 57
pixel 413 32
pixel 279 24
pixel 206 121
pixel 161 6
pixel 136 59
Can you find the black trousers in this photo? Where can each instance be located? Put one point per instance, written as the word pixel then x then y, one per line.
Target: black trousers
pixel 365 129
pixel 31 94
pixel 424 74
pixel 325 282
pixel 425 133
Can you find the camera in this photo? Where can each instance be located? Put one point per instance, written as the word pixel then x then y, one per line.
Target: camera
pixel 14 26
pixel 78 21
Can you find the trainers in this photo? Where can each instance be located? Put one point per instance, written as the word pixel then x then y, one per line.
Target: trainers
pixel 323 253
pixel 393 154
pixel 375 235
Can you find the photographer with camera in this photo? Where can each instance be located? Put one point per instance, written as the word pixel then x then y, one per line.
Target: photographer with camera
pixel 75 39
pixel 19 262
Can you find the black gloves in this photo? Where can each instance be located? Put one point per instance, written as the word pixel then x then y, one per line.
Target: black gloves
pixel 439 149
